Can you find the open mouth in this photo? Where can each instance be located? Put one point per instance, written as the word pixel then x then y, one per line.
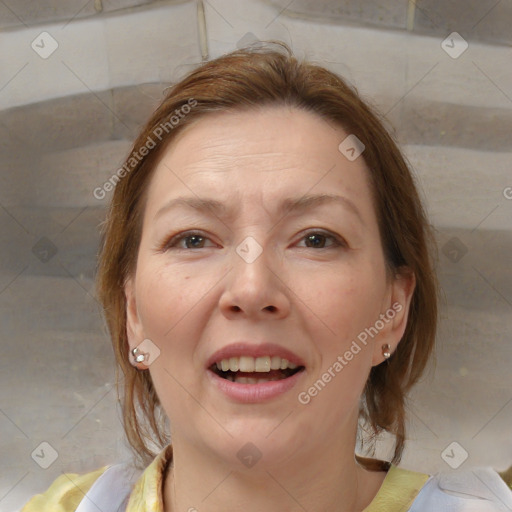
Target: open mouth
pixel 255 370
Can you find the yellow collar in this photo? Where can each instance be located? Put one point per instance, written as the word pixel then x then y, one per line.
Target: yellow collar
pixel 396 494
pixel 398 490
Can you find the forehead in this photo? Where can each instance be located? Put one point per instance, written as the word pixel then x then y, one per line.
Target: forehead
pixel 263 154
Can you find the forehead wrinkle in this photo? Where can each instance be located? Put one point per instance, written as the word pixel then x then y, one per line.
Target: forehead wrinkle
pixel 286 206
pixel 263 162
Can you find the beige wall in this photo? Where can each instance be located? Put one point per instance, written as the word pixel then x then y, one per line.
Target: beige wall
pixel 67 120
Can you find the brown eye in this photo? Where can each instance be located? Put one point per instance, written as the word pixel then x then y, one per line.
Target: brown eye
pixel 192 240
pixel 317 239
pixel 196 241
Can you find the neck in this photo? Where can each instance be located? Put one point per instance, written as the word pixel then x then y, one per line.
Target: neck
pixel 328 480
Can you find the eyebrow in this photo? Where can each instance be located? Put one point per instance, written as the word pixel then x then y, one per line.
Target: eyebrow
pixel 296 205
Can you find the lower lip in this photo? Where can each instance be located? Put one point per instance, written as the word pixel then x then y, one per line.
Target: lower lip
pixel 252 393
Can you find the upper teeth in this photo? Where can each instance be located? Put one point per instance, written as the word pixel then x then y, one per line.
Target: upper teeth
pixel 254 364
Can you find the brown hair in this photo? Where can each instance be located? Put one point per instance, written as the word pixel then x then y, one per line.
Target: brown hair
pixel 252 78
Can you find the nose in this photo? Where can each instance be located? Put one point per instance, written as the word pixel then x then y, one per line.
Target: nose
pixel 255 289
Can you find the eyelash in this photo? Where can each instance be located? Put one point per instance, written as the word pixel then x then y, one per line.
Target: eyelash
pixel 174 240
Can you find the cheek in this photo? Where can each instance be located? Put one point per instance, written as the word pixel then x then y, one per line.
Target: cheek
pixel 344 303
pixel 166 297
pixel 166 302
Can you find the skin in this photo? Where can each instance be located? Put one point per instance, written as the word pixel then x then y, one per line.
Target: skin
pixel 200 295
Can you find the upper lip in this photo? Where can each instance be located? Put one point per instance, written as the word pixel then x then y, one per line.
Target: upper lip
pixel 244 348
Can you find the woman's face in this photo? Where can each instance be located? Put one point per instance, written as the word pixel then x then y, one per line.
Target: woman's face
pixel 287 264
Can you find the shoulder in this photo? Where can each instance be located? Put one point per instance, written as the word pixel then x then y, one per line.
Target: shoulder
pixel 64 494
pixel 112 487
pixel 472 490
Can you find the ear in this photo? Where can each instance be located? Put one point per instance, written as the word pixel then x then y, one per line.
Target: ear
pixel 134 328
pixel 395 313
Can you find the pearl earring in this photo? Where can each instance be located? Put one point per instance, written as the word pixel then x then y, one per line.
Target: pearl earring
pixel 386 350
pixel 138 355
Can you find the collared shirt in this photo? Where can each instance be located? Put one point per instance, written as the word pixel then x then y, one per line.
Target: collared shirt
pixel 396 494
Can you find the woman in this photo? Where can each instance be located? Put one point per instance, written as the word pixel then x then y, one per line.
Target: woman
pixel 268 284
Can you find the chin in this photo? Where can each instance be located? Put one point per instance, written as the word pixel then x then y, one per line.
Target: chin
pixel 262 442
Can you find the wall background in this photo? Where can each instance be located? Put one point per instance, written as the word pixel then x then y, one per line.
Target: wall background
pixel 78 78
